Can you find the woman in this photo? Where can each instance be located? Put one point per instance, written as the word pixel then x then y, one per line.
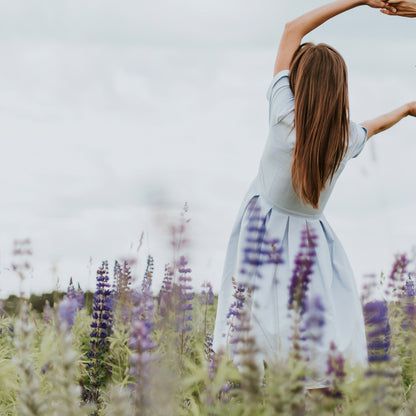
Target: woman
pixel 310 140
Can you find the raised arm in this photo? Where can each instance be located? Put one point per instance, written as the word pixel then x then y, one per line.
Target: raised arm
pixel 404 8
pixel 385 121
pixel 296 29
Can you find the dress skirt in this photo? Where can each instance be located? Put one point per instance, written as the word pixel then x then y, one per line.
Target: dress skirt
pixel 332 287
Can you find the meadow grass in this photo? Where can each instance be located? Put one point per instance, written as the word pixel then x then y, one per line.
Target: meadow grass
pixel 137 352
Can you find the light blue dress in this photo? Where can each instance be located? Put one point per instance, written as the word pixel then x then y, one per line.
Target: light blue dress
pixel 285 216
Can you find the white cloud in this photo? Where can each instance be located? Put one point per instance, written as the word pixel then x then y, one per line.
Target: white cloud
pixel 114 114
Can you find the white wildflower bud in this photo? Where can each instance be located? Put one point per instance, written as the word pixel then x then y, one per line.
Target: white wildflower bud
pixel 29 400
pixel 119 402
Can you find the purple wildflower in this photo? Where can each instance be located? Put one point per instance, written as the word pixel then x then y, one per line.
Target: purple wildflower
pixel 237 319
pixel 313 320
pixel 335 363
pixel 207 295
pixel 142 345
pixel 244 348
pixel 67 310
pixel 121 290
pixel 378 330
pixel 101 328
pixel 395 284
pixel 335 370
pixel 123 279
pixel 185 300
pixel 140 341
pixel 410 290
pixel 210 356
pixel 240 296
pixel 80 297
pixel 207 298
pixel 148 275
pixel 78 294
pixel 304 261
pixel 70 292
pixel 259 249
pixel 117 272
pixel 165 294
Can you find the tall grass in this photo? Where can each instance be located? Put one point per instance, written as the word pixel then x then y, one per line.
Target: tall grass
pixel 150 353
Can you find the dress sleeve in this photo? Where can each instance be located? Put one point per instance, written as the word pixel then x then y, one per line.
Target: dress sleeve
pixel 280 97
pixel 358 139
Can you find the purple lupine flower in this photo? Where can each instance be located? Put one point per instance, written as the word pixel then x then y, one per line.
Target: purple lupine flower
pixel 102 306
pixel 378 330
pixel 235 313
pixel 141 345
pixel 395 283
pixel 116 273
pixel 148 275
pixel 410 290
pixel 335 362
pixel 242 342
pixel 256 229
pixel 259 249
pixel 122 293
pixel 210 356
pixel 70 292
pixel 313 320
pixel 80 297
pixel 335 371
pixel 122 281
pixel 67 310
pixel 165 294
pixel 207 298
pixel 101 328
pixel 304 261
pixel 78 294
pixel 140 341
pixel 185 300
pixel 239 295
pixel 207 295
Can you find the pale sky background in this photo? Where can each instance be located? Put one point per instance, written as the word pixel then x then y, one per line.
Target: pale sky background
pixel 114 113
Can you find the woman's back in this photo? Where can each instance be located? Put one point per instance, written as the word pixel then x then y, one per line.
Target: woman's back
pixel 274 176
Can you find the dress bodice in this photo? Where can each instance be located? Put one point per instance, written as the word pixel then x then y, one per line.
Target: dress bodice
pixel 274 178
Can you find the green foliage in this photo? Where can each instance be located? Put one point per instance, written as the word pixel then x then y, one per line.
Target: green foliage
pixel 37 302
pixel 43 366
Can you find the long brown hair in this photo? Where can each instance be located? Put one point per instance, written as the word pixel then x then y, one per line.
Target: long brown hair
pixel 319 81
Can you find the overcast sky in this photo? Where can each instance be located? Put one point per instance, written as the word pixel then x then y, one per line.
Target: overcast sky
pixel 114 113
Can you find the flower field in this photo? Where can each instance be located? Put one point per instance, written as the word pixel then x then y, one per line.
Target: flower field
pixel 138 351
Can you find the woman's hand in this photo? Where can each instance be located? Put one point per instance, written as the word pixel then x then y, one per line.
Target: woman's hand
pixel 404 8
pixel 412 108
pixel 376 4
